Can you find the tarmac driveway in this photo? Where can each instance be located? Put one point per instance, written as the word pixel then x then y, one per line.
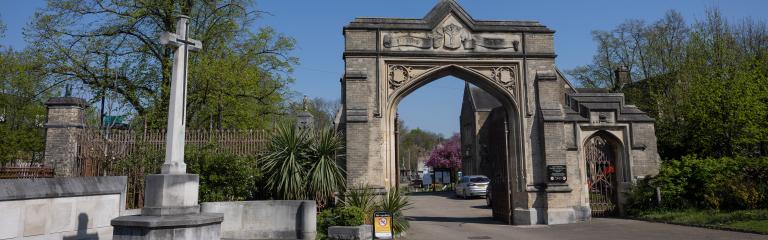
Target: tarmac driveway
pixel 442 216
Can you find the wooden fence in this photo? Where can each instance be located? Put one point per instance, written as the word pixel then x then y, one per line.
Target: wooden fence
pixel 138 153
pixel 25 170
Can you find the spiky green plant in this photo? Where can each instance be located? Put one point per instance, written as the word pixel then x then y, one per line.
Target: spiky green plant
pixel 301 164
pixel 363 197
pixel 285 164
pixel 395 202
pixel 325 176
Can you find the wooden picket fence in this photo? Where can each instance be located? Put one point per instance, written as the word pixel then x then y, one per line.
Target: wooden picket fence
pixel 118 152
pixel 25 170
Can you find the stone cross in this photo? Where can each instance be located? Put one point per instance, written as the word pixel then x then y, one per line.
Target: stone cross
pixel 174 149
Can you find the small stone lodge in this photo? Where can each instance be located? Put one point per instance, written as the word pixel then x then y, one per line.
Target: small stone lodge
pixel 555 153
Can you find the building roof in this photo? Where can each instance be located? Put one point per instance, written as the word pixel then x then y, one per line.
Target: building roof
pixel 481 100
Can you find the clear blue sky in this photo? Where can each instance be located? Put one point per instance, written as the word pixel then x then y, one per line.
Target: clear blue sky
pixel 317 25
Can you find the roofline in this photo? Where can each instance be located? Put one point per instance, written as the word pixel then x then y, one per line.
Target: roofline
pixel 438 13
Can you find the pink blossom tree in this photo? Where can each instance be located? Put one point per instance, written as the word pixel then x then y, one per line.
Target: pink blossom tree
pixel 446 154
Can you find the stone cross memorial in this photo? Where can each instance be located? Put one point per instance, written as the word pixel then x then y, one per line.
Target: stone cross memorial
pixel 170 208
pixel 174 152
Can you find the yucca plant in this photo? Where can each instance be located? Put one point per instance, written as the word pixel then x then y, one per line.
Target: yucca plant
pixel 284 166
pixel 363 197
pixel 301 164
pixel 325 176
pixel 395 202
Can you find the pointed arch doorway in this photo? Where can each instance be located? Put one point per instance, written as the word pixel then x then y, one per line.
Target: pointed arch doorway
pixel 602 155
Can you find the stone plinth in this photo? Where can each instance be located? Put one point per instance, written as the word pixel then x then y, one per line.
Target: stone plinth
pixel 171 194
pixel 203 226
pixel 171 212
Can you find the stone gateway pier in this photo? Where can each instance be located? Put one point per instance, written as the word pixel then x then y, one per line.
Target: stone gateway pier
pixel 563 154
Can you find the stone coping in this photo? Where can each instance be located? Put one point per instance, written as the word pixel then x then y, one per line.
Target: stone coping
pixel 67 101
pixel 35 188
pixel 175 221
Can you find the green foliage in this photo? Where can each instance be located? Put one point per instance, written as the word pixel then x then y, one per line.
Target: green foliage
pixel 709 183
pixel 136 166
pixel 395 202
pixel 325 176
pixel 339 216
pixel 285 164
pixel 301 164
pixel 753 220
pixel 705 83
pixel 238 80
pixel 22 114
pixel 362 197
pixel 414 144
pixel 223 177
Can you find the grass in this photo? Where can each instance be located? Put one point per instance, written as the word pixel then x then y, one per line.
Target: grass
pixel 745 220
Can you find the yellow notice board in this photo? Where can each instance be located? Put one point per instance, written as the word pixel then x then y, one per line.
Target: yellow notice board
pixel 382 225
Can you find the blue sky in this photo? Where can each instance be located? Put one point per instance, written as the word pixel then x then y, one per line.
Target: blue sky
pixel 317 25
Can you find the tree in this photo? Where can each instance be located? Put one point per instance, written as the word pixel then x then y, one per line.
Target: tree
pixel 414 144
pixel 22 113
pixel 447 154
pixel 113 45
pixel 704 83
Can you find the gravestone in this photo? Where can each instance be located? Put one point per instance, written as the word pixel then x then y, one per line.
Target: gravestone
pixel 170 208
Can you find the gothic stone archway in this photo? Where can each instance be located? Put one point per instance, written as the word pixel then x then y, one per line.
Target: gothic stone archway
pixel 387 58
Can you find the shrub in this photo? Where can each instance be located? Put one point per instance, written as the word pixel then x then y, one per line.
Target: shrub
pixel 223 177
pixel 339 216
pixel 708 183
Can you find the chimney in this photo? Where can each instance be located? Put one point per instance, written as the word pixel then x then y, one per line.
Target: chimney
pixel 622 77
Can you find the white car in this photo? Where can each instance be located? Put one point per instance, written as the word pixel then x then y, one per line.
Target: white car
pixel 470 186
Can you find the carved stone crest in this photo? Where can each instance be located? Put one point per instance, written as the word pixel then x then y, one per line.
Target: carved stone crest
pixel 398 74
pixel 452 37
pixel 506 76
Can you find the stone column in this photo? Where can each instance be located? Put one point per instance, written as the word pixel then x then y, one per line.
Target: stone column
pixel 64 124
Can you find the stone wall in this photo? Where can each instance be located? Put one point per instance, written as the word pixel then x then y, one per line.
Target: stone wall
pixel 60 208
pixel 265 219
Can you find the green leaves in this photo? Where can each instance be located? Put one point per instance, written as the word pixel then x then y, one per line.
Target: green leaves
pixel 395 202
pixel 223 177
pixel 705 83
pixel 301 164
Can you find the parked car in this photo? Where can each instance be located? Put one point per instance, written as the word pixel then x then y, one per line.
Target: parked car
pixel 470 186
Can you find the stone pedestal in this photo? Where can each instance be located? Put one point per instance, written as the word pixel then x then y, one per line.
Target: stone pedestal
pixel 170 212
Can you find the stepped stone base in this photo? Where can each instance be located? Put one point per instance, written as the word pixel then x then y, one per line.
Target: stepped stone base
pixel 179 227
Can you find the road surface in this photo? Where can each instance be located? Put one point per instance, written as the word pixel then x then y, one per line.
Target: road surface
pixel 442 216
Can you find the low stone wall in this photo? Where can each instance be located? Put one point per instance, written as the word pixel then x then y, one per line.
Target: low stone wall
pixel 265 219
pixel 60 208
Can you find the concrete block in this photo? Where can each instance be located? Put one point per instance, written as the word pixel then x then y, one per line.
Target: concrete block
pixel 350 232
pixel 171 194
pixel 528 216
pixel 265 219
pixel 36 217
pixel 560 216
pixel 10 220
pixel 62 215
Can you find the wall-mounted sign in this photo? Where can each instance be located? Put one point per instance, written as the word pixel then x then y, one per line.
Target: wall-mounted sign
pixel 557 173
pixel 382 225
